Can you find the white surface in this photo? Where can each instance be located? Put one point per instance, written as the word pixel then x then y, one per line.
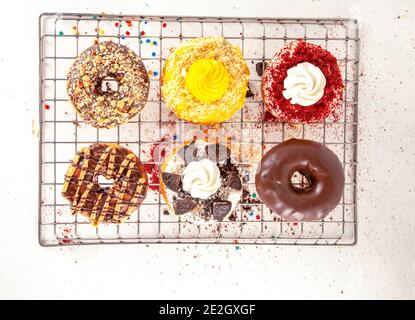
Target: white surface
pixel 381 265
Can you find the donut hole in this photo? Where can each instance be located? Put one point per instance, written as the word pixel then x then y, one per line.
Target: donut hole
pixel 108 85
pixel 105 183
pixel 301 181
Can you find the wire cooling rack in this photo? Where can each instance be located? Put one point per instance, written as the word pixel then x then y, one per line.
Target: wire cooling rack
pixel 63 36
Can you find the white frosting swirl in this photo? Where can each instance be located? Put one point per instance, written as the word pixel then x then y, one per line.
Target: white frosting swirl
pixel 201 178
pixel 304 84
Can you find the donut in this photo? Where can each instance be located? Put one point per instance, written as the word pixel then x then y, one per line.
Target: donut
pixel 110 204
pixel 103 107
pixel 199 182
pixel 205 80
pixel 316 198
pixel 302 84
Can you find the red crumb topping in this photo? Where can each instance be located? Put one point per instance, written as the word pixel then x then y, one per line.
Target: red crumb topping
pixel 276 71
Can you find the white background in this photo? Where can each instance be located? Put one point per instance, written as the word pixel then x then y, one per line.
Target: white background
pixel 381 265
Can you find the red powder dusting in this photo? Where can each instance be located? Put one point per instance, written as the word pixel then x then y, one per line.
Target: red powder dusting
pixel 293 54
pixel 127 33
pixel 47 107
pixel 143 33
pixel 164 25
pixel 153 169
pixel 65 241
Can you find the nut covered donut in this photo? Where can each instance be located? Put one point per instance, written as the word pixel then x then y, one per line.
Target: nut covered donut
pixel 103 107
pixel 205 80
pixel 302 83
pixel 103 203
pixel 319 165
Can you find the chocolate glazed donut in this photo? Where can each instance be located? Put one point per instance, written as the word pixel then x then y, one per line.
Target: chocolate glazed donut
pixel 318 164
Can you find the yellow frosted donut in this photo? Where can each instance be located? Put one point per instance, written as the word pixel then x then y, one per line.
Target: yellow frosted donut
pixel 205 80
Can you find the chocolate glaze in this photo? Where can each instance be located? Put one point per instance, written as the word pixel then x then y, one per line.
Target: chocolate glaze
pixel 321 167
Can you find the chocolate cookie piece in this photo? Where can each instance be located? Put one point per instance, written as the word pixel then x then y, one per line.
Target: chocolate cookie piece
pixel 188 153
pixel 260 67
pixel 182 206
pixel 172 181
pixel 233 181
pixel 249 93
pixel 217 153
pixel 220 209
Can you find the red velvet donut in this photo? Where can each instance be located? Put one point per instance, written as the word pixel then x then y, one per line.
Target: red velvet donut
pixel 276 71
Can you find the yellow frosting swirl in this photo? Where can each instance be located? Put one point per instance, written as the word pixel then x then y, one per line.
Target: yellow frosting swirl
pixel 207 80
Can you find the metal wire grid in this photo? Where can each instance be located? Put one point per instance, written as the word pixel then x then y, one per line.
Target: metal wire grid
pixel 258 39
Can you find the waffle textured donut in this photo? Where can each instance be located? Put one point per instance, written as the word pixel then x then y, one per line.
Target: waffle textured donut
pixel 103 203
pixel 313 160
pixel 102 107
pixel 196 161
pixel 205 80
pixel 276 71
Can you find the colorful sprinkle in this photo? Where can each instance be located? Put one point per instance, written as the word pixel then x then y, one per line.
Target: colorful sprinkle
pixel 141 41
pixel 258 217
pixel 251 214
pixel 47 107
pixel 94 17
pixel 254 195
pixel 153 54
pixel 117 24
pixel 155 43
pixel 101 32
pixel 273 238
pixel 175 137
pixel 237 248
pixel 155 73
pixel 145 22
pixel 143 33
pixel 149 72
pixel 128 22
pixel 60 33
pixel 295 224
pixel 148 41
pixel 122 36
pixel 127 33
pixel 164 24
